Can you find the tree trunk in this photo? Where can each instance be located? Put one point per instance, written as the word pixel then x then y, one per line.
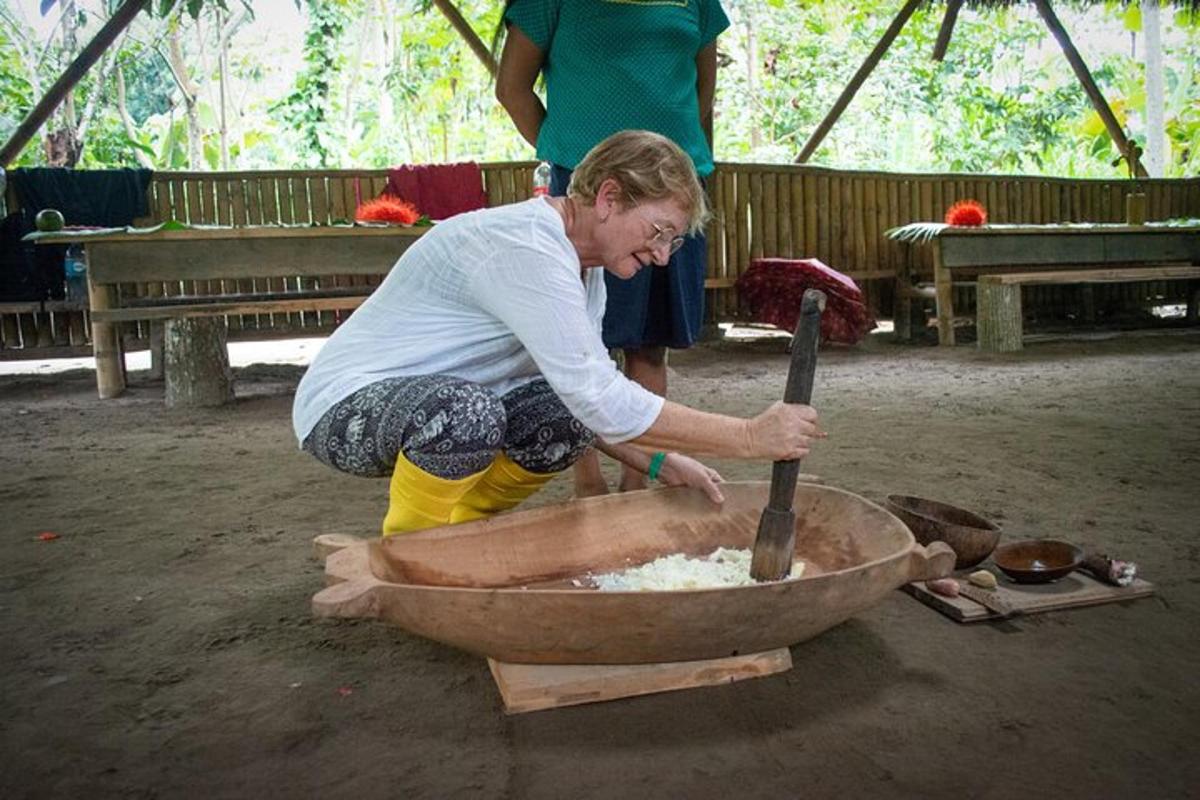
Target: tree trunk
pixel 180 71
pixel 1156 151
pixel 751 73
pixel 62 146
pixel 197 363
pixel 127 121
pixel 222 81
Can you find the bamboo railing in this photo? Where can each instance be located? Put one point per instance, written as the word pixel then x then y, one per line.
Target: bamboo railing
pixel 785 210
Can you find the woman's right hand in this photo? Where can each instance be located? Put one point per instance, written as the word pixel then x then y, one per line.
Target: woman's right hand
pixel 783 432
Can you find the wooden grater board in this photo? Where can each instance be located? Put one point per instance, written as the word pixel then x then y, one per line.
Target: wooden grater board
pixel 1076 590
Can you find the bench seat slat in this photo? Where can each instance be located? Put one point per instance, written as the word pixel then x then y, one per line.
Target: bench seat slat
pixel 1111 275
pixel 245 297
pixel 221 308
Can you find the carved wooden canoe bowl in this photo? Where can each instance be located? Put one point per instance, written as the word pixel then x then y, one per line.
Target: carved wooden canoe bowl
pixel 503 587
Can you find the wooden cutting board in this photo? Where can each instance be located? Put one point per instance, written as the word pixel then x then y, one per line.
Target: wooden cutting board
pixel 1075 590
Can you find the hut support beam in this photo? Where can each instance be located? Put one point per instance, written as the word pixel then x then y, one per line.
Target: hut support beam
pixel 88 56
pixel 943 37
pixel 1090 87
pixel 451 12
pixel 857 81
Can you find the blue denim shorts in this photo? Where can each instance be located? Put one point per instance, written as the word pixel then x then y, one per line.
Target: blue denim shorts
pixel 659 307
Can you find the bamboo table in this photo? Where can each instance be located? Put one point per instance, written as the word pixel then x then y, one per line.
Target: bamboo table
pixel 216 253
pixel 960 252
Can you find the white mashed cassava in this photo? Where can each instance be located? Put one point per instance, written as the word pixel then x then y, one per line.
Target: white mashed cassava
pixel 722 567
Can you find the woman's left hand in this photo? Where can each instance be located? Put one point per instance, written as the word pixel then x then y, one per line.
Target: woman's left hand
pixel 680 470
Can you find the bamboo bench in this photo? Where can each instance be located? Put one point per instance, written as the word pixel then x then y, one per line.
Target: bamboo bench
pixel 998 315
pixel 964 254
pixel 238 255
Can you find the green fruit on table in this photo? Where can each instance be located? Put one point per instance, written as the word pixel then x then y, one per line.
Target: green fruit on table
pixel 49 219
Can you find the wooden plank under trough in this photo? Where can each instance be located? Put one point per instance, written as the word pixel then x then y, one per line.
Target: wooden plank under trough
pixel 536 687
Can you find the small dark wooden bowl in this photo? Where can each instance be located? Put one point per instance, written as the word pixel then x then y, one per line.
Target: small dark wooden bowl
pixel 1037 560
pixel 970 536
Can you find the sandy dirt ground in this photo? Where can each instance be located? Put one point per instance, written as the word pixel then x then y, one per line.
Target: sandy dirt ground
pixel 163 645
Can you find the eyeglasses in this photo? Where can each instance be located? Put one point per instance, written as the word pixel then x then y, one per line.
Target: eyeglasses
pixel 662 237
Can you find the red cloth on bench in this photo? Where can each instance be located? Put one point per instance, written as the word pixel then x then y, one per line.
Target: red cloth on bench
pixel 439 190
pixel 773 288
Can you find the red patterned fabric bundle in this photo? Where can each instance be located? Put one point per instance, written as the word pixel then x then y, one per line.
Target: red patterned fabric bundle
pixel 773 288
pixel 439 190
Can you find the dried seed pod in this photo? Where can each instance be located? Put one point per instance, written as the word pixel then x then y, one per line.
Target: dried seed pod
pixel 946 587
pixel 983 579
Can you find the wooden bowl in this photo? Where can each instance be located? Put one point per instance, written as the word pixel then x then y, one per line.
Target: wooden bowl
pixel 514 586
pixel 1037 560
pixel 970 536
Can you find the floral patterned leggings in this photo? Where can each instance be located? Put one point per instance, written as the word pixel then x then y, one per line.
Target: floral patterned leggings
pixel 448 427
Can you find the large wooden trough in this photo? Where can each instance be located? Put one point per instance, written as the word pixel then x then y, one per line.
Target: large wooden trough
pixel 515 587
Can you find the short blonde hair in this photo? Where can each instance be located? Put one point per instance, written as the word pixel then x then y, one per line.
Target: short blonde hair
pixel 647 166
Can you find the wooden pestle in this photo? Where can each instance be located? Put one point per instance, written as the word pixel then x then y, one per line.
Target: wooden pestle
pixel 775 544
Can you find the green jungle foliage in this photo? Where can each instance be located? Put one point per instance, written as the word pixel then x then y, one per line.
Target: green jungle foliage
pixel 372 83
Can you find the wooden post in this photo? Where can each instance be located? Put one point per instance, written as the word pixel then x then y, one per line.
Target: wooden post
pixel 106 336
pixel 998 316
pixel 468 33
pixel 156 351
pixel 901 302
pixel 943 37
pixel 197 362
pixel 1089 86
pixel 945 297
pixel 71 76
pixel 857 81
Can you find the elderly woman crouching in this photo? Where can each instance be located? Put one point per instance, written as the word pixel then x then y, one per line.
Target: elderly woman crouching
pixel 476 371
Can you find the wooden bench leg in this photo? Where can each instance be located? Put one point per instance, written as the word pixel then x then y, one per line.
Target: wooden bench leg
pixel 998 317
pixel 106 343
pixel 902 314
pixel 156 350
pixel 945 298
pixel 196 362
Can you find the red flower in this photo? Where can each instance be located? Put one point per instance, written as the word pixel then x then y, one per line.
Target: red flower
pixel 387 208
pixel 967 213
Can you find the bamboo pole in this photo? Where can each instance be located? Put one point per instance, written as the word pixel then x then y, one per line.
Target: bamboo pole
pixel 860 213
pixel 757 221
pixel 743 223
pixel 796 214
pixel 857 81
pixel 106 339
pixel 1089 86
pixel 769 212
pixel 468 33
pixel 811 219
pixel 943 37
pixel 71 76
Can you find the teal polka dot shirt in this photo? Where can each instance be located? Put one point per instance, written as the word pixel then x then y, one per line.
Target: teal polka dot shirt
pixel 616 64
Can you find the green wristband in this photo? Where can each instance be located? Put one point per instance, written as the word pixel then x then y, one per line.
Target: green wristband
pixel 656 462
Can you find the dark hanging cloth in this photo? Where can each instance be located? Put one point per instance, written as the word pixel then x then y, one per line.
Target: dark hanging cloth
pixel 106 198
pixel 103 198
pixel 439 191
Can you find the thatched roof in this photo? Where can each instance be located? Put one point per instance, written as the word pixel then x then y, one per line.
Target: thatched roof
pixel 1192 6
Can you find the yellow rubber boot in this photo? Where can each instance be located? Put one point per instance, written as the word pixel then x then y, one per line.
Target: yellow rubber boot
pixel 504 485
pixel 418 500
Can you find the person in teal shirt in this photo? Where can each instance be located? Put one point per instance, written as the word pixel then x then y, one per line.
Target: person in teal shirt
pixel 611 65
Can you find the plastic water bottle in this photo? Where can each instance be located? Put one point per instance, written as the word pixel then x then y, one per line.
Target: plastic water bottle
pixel 75 272
pixel 541 180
